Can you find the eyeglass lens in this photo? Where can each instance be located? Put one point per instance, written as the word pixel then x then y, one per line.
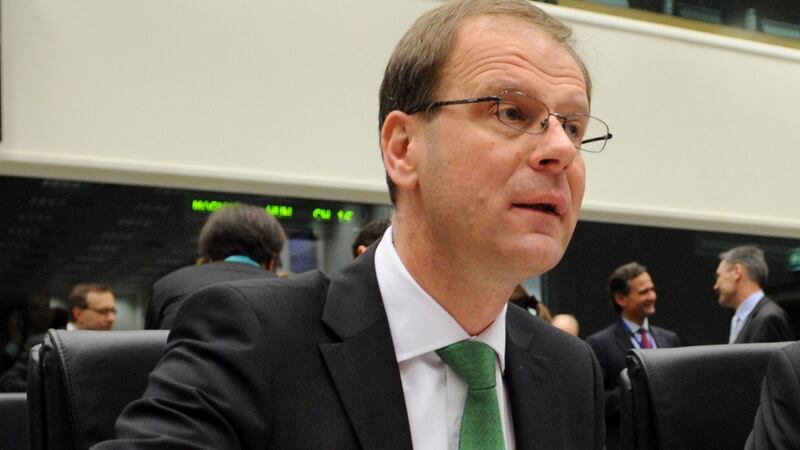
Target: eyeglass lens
pixel 528 115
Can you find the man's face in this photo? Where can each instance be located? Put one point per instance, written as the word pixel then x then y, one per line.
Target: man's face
pixel 726 283
pixel 100 314
pixel 640 301
pixel 501 202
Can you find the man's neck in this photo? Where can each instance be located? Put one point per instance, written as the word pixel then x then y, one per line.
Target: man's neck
pixel 472 298
pixel 744 292
pixel 638 320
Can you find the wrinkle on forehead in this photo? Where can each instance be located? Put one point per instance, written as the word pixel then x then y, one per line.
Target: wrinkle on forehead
pixel 522 46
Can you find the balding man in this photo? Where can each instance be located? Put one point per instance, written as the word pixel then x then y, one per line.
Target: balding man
pixel 484 113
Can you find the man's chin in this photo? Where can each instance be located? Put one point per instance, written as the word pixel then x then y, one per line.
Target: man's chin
pixel 543 254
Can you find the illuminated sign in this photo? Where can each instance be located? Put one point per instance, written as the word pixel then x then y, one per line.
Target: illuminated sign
pixel 317 214
pixel 326 215
pixel 280 211
pixel 321 214
pixel 208 205
pixel 345 216
pixel 794 260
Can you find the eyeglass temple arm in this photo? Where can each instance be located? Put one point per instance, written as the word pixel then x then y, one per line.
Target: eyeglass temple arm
pixel 605 137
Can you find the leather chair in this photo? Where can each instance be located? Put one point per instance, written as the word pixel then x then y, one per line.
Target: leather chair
pixel 13 421
pixel 692 397
pixel 79 382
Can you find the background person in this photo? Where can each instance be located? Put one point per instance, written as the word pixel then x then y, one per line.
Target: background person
pixel 40 317
pixel 633 297
pixel 741 273
pixel 530 303
pixel 567 323
pixel 92 306
pixel 370 233
pixel 237 242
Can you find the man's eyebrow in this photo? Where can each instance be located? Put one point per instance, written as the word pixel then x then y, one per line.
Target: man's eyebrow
pixel 497 86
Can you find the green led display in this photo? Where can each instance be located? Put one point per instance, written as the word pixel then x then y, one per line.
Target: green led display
pixel 326 215
pixel 345 216
pixel 321 214
pixel 280 211
pixel 284 211
pixel 208 205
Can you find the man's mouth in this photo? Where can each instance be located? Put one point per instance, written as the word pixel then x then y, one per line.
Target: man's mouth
pixel 548 208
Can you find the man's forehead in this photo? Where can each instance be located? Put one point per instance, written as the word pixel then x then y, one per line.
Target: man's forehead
pixel 99 295
pixel 479 39
pixel 642 278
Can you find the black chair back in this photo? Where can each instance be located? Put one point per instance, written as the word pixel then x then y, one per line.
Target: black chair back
pixel 79 382
pixel 698 397
pixel 13 421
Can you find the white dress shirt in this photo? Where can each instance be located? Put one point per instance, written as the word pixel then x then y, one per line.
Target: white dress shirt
pixel 744 310
pixel 434 394
pixel 635 336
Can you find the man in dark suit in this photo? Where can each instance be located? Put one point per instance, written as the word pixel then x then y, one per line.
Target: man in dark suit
pixel 776 425
pixel 741 273
pixel 237 242
pixel 633 297
pixel 487 181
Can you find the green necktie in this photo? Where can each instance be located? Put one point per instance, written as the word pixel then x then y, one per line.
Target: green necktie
pixel 473 361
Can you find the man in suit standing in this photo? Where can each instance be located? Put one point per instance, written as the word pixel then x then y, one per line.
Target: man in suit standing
pixel 741 273
pixel 237 242
pixel 633 297
pixel 483 115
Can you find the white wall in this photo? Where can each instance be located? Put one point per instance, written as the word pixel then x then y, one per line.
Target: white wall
pixel 280 97
pixel 705 127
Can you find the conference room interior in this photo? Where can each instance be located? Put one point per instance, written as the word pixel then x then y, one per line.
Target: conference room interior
pixel 116 144
pixel 62 232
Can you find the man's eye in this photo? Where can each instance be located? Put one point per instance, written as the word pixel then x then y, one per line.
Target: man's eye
pixel 574 129
pixel 511 114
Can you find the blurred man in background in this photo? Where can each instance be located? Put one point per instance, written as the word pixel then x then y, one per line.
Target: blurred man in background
pixel 741 274
pixel 93 307
pixel 237 242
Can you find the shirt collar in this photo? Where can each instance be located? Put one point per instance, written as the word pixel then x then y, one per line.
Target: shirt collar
pixel 748 304
pixel 418 323
pixel 242 259
pixel 633 327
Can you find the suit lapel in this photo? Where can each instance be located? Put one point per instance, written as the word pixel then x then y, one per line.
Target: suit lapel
pixel 661 338
pixel 744 333
pixel 363 365
pixel 622 338
pixel 528 379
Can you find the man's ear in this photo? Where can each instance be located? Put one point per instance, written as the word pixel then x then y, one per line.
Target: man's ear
pixel 619 299
pixel 738 271
pixel 397 147
pixel 76 314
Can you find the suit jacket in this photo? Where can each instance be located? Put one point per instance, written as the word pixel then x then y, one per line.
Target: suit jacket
pixel 171 290
pixel 610 345
pixel 777 422
pixel 308 362
pixel 767 322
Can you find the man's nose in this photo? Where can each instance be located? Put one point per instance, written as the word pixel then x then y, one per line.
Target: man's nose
pixel 554 149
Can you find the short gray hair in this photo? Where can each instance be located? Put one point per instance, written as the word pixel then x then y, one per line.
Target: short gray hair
pixel 751 258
